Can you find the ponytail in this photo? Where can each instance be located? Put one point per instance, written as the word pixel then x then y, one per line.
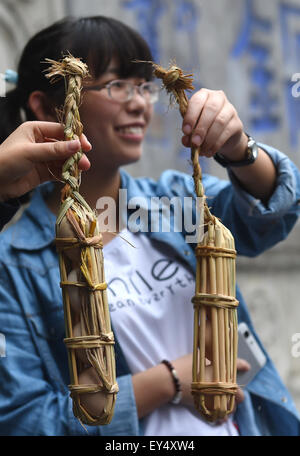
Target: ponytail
pixel 10 113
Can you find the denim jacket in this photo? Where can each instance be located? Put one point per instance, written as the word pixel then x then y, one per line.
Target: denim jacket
pixel 34 396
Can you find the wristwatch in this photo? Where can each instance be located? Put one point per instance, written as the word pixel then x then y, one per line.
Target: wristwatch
pixel 251 156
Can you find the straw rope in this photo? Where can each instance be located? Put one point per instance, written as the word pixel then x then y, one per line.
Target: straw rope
pixel 214 301
pixel 79 245
pixel 214 388
pixel 95 287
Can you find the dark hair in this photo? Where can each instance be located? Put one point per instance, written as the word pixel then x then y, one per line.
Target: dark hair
pixel 94 39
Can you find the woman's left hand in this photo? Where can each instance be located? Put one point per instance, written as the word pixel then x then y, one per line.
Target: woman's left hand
pixel 213 123
pixel 28 153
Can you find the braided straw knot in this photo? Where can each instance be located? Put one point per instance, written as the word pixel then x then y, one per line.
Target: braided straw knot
pixel 175 83
pixel 72 103
pixel 173 78
pixel 170 77
pixel 75 71
pixel 69 66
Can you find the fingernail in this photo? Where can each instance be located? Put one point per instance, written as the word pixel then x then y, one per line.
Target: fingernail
pixel 196 140
pixel 73 145
pixel 246 365
pixel 187 129
pixel 87 140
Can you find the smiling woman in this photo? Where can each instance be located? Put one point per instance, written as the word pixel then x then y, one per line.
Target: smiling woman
pixel 258 205
pixel 121 123
pixel 122 91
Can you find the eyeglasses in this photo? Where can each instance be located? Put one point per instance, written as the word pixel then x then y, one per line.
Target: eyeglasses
pixel 122 91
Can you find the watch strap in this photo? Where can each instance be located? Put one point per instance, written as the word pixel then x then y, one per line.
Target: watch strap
pixel 252 152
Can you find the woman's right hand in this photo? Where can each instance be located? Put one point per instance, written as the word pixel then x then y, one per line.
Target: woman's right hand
pixel 183 367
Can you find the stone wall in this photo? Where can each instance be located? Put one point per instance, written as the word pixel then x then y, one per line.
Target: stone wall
pixel 249 49
pixel 19 20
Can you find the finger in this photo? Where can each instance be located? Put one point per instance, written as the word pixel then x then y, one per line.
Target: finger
pixel 216 129
pixel 232 130
pixel 54 131
pixel 85 144
pixel 40 130
pixel 211 109
pixel 50 151
pixel 186 140
pixel 84 163
pixel 194 108
pixel 53 170
pixel 242 365
pixel 240 396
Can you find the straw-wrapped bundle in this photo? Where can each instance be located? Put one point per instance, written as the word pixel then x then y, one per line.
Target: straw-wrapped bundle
pixel 89 338
pixel 215 314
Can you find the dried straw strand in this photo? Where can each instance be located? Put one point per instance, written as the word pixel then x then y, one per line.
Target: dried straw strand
pixel 214 300
pixel 79 245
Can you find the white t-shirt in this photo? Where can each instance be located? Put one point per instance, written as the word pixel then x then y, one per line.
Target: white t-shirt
pixel 149 294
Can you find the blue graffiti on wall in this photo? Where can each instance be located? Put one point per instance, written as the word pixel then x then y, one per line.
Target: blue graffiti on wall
pixel 263 104
pixel 148 13
pixel 290 40
pixel 184 16
pixel 185 20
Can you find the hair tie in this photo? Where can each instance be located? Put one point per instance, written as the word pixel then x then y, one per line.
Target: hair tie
pixel 11 76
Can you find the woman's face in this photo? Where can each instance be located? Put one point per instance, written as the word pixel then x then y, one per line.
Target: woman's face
pixel 115 129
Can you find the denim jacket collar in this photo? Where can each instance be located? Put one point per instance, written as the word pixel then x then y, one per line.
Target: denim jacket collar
pixel 38 218
pixel 37 215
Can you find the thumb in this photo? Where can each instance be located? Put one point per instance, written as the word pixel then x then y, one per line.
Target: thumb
pixel 243 365
pixel 51 151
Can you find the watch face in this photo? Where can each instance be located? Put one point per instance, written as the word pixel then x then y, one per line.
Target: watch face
pixel 251 143
pixel 252 150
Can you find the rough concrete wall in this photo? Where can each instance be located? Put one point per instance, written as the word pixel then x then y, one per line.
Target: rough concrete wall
pixel 248 48
pixel 19 20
